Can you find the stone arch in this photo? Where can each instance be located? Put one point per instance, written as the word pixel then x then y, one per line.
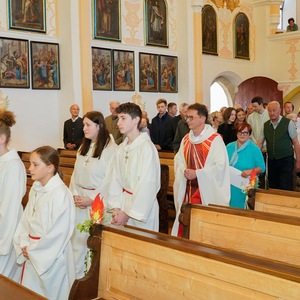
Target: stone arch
pixel 229 81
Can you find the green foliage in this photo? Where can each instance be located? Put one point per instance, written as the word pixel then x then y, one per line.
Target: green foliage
pixel 85 226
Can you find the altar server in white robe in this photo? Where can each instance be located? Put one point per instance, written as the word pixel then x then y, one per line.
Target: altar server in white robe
pixel 135 174
pixel 43 237
pixel 201 166
pixel 12 190
pixel 92 158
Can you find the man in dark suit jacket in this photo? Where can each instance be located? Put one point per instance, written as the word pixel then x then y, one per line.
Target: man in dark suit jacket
pixel 73 129
pixel 158 126
pixel 172 126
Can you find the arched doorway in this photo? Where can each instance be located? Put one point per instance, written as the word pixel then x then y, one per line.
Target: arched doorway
pixel 258 86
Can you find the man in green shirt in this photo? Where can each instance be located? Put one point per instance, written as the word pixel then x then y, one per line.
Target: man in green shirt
pixel 281 137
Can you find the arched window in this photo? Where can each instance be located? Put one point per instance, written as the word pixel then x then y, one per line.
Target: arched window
pixel 218 97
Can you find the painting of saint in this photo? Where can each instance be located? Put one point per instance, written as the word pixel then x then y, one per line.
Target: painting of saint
pixel 242 36
pixel 107 19
pixel 156 23
pixel 209 30
pixel 27 15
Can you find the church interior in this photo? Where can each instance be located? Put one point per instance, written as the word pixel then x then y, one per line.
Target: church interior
pixel 241 45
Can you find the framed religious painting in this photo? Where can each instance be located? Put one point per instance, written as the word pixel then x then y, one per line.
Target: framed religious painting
pixel 156 23
pixel 148 71
pixel 27 15
pixel 107 19
pixel 209 31
pixel 14 63
pixel 45 66
pixel 101 66
pixel 241 40
pixel 168 69
pixel 123 66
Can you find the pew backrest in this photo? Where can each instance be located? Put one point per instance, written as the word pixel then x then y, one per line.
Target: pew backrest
pixel 138 264
pixel 66 152
pixel 11 290
pixel 278 201
pixel 167 158
pixel 268 235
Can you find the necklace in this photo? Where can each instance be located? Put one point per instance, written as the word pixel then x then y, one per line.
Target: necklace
pixel 88 156
pixel 36 201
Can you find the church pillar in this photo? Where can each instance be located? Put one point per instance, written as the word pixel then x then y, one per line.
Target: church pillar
pixel 197 23
pixel 274 17
pixel 85 55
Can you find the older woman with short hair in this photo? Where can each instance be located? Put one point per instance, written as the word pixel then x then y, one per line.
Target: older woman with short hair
pixel 244 156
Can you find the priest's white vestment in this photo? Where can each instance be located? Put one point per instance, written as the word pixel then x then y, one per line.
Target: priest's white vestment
pixel 213 179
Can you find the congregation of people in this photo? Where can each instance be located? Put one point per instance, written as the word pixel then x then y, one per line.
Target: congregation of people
pixel 217 155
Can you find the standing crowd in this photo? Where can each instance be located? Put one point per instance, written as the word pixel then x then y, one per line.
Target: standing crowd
pixel 117 158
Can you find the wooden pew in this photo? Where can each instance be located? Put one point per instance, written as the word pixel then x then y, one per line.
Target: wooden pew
pixel 167 158
pixel 11 290
pixel 66 153
pixel 67 160
pixel 138 264
pixel 278 201
pixel 272 236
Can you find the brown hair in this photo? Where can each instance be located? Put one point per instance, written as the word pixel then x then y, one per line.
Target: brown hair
pixel 161 100
pixel 50 157
pixel 7 120
pixel 103 137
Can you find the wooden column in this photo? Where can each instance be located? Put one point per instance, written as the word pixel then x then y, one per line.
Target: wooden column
pixel 85 55
pixel 197 23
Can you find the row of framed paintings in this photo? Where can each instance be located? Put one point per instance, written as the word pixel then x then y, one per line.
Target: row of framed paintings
pixel 115 69
pixel 30 15
pixel 14 64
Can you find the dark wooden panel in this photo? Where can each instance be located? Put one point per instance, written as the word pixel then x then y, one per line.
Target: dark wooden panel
pixel 11 290
pixel 258 86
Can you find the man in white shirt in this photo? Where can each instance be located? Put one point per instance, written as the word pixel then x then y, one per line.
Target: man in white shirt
pixel 257 119
pixel 288 108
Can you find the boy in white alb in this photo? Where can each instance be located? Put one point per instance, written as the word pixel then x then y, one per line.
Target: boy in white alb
pixel 135 174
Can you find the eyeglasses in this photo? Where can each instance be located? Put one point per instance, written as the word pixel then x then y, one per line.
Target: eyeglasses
pixel 191 118
pixel 243 133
